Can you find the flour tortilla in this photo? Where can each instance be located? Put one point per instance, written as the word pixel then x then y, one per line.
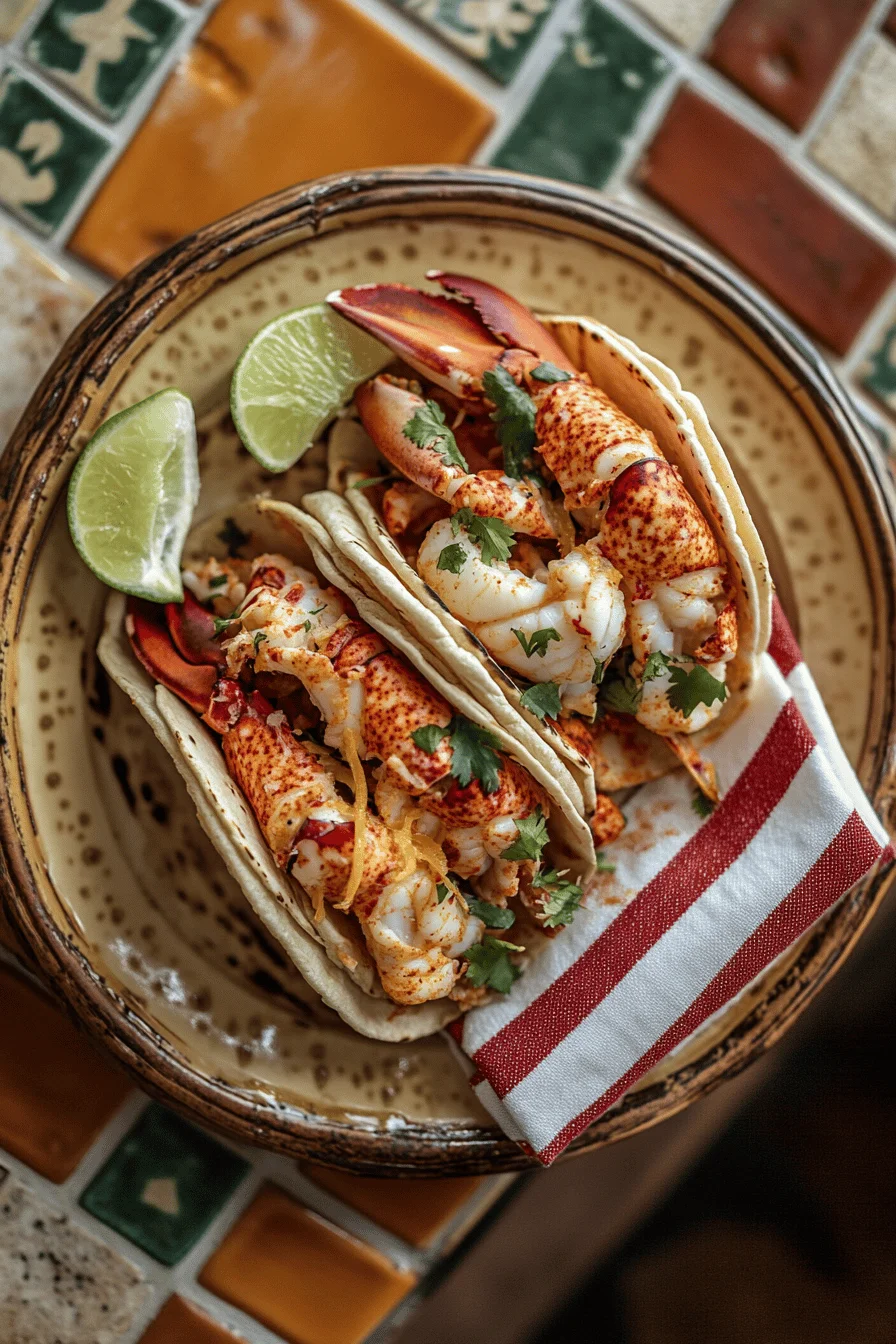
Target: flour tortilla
pixel 331 954
pixel 652 396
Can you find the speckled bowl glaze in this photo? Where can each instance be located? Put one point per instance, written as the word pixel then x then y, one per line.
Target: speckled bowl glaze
pixel 109 880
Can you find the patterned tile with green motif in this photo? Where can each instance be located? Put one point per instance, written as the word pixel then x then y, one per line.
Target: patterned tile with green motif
pixel 577 123
pixel 164 1184
pixel 46 155
pixel 103 51
pixel 497 34
pixel 878 371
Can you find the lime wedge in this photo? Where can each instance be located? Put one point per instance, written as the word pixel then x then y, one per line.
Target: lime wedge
pixel 132 495
pixel 292 378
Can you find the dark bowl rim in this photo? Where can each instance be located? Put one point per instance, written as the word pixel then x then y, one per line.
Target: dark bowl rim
pixel 38 447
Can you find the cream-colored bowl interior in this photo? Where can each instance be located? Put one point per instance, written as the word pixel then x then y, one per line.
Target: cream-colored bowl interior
pixel 139 886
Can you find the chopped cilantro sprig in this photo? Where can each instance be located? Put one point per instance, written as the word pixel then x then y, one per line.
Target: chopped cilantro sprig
pixel 495 538
pixel 542 700
pixel 452 558
pixel 564 897
pixel 532 836
pixel 537 642
pixel 546 372
pixel 492 916
pixel 427 429
pixel 473 754
pixel 514 420
pixel 488 963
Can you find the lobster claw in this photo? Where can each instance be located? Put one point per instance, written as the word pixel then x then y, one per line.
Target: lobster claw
pixel 504 315
pixel 146 629
pixel 442 338
pixel 451 341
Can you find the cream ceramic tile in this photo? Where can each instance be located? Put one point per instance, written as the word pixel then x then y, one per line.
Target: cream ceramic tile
pixel 684 20
pixel 40 306
pixel 13 14
pixel 856 142
pixel 58 1284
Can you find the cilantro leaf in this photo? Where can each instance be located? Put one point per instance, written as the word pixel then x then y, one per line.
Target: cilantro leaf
pixel 542 700
pixel 514 419
pixel 257 638
pixel 488 963
pixel 441 892
pixel 427 429
pixel 549 373
pixel 597 675
pixel 369 480
pixel 697 687
pixel 453 558
pixel 703 806
pixel 218 581
pixel 473 754
pixel 233 537
pixel 622 694
pixel 602 863
pixel 222 622
pixel 656 666
pixel 492 916
pixel 495 538
pixel 537 642
pixel 564 897
pixel 429 737
pixel 531 839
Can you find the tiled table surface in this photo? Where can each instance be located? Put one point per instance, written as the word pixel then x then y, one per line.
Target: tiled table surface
pixel 765 128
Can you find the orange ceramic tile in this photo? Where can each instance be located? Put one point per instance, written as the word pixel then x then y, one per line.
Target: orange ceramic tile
pixel 302 1277
pixel 56 1092
pixel 179 1322
pixel 414 1210
pixel 273 92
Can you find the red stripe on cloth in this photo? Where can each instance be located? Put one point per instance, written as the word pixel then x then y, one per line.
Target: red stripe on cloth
pixel 514 1051
pixel 847 858
pixel 782 646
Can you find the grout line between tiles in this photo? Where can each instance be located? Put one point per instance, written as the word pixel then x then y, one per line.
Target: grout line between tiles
pixel 533 69
pixel 846 68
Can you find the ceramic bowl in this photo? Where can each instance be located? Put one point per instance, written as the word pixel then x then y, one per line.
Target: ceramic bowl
pixel 110 883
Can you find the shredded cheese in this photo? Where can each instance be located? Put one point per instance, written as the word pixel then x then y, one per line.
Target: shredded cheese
pixel 404 841
pixel 339 772
pixel 431 854
pixel 359 808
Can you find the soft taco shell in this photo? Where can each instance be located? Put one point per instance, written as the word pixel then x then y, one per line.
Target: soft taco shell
pixel 331 955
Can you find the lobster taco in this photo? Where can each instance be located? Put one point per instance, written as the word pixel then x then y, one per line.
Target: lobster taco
pixel 407 853
pixel 558 512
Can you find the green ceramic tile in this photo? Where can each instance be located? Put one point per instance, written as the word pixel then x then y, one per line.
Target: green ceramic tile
pixel 586 106
pixel 104 51
pixel 496 34
pixel 163 1185
pixel 879 370
pixel 46 155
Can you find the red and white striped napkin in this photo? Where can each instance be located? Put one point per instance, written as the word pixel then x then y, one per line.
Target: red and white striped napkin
pixel 694 911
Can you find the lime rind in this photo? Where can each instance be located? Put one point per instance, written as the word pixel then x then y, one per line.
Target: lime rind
pixel 294 376
pixel 132 495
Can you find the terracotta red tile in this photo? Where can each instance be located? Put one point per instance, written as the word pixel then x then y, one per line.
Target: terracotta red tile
pixel 414 1210
pixel 784 52
pixel 301 1276
pixel 746 199
pixel 179 1322
pixel 273 92
pixel 56 1092
pixel 890 23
